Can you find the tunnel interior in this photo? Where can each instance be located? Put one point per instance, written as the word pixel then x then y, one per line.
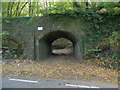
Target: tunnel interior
pixel 62 46
pixel 45 43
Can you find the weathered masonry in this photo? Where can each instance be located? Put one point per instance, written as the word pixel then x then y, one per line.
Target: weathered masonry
pixel 37 36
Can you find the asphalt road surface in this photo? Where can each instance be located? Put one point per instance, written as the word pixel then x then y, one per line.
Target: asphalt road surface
pixel 22 82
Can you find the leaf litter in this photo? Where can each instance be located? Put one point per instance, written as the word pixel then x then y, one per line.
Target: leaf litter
pixel 58 68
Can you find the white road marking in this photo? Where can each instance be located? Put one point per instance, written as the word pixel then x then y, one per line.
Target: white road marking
pixel 80 86
pixel 21 80
pixel 94 87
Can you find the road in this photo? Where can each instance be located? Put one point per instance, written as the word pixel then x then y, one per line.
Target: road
pixel 22 82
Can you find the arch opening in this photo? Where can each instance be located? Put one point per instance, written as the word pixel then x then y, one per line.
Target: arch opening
pixel 46 43
pixel 62 46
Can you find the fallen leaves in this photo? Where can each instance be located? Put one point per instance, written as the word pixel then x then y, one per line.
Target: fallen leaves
pixel 59 69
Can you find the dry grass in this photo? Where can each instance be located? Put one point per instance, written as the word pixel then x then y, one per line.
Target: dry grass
pixel 59 69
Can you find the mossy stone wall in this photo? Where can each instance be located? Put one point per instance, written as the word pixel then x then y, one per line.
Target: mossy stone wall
pixel 37 43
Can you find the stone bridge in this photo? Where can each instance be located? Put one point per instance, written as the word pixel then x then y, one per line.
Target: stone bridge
pixel 36 35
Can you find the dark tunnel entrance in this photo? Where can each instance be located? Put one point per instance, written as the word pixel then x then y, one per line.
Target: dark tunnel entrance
pixel 45 47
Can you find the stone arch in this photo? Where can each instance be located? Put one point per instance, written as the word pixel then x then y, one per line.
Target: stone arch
pixel 44 43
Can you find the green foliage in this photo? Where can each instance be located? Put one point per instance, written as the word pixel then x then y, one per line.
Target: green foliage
pixel 11 45
pixel 109 63
pixel 94 50
pixel 114 38
pixel 115 56
pixel 96 18
pixel 97 14
pixel 5 33
pixel 30 20
pixel 7 21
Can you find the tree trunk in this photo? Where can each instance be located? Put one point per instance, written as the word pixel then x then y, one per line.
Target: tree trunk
pixel 22 9
pixel 8 10
pixel 37 9
pixel 11 9
pixel 17 10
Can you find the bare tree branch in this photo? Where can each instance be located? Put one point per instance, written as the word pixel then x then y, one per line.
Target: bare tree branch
pixel 22 8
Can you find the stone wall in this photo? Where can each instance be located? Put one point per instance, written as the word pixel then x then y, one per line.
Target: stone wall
pixel 33 39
